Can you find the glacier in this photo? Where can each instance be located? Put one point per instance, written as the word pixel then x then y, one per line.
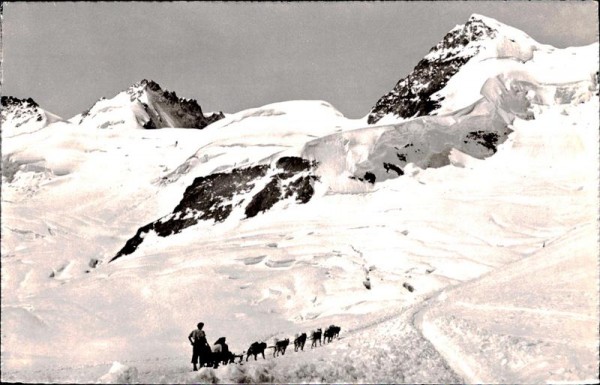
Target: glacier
pixel 497 235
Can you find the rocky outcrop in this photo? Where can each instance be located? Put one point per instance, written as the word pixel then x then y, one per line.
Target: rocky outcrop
pixel 159 108
pixel 21 111
pixel 10 101
pixel 23 116
pixel 413 95
pixel 214 197
pixel 374 154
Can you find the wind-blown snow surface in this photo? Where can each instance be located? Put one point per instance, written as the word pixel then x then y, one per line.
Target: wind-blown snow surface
pixel 500 252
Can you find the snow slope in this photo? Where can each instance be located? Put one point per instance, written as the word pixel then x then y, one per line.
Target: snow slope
pixel 535 320
pixel 443 249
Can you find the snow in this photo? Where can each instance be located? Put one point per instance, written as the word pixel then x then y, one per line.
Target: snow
pixel 120 373
pixel 536 319
pixel 22 120
pixel 507 53
pixel 501 252
pixel 545 66
pixel 120 112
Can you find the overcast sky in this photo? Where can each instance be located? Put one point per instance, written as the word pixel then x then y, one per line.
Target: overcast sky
pixel 232 56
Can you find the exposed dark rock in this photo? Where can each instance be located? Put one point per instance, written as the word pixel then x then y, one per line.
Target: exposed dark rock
pixel 412 95
pixel 8 101
pixel 210 197
pixel 427 142
pixel 132 244
pixel 187 111
pixel 85 114
pixel 370 177
pixel 210 119
pixel 182 112
pixel 293 164
pixel 265 198
pixel 149 125
pixel 211 191
pixel 488 140
pixel 302 188
pixel 21 111
pixel 408 287
pixel 393 167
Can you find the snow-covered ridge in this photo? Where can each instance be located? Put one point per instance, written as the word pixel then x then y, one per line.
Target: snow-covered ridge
pixel 478 39
pixel 22 116
pixel 347 157
pixel 146 105
pixel 375 154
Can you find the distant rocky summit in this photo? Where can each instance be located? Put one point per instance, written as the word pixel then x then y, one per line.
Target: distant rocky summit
pixel 414 95
pixel 9 101
pixel 21 110
pixel 146 105
pixel 21 116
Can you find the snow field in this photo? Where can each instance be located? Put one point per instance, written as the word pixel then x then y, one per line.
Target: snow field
pixel 536 319
pixel 521 226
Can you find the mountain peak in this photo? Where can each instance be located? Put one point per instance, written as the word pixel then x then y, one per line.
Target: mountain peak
pixel 145 104
pixel 145 84
pixel 16 112
pixel 20 116
pixel 502 30
pixel 11 101
pixel 462 39
pixel 415 95
pixel 485 20
pixel 136 90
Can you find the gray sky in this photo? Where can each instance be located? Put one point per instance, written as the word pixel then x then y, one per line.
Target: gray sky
pixel 232 56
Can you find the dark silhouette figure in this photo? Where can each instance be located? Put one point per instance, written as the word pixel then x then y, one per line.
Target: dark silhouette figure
pixel 336 331
pixel 220 353
pixel 198 340
pixel 331 332
pixel 230 358
pixel 280 347
pixel 255 349
pixel 314 337
pixel 299 342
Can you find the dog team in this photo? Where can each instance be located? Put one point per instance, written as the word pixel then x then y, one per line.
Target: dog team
pixel 204 355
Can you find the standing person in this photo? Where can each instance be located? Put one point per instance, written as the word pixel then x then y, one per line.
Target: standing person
pixel 198 340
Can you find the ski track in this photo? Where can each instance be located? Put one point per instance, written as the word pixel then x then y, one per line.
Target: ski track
pixel 397 342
